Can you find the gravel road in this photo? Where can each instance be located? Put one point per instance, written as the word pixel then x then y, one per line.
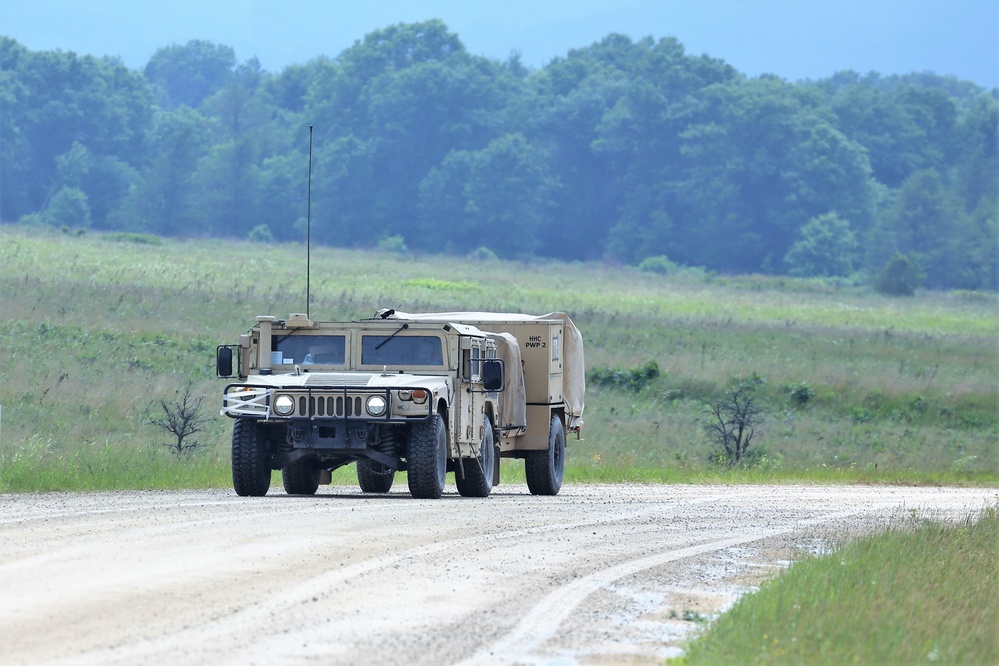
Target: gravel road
pixel 599 574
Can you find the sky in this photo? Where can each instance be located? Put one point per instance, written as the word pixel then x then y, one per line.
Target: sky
pixel 793 39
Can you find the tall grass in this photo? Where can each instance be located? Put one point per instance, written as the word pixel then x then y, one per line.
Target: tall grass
pixel 97 328
pixel 920 592
pixel 38 466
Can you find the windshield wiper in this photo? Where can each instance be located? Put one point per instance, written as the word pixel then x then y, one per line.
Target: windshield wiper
pixel 383 342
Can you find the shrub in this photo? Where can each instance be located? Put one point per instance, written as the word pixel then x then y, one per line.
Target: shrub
pixel 800 393
pixel 395 244
pixel 900 276
pixel 733 419
pixel 826 247
pixel 660 264
pixel 261 234
pixel 68 208
pixel 483 253
pixel 182 418
pixel 635 379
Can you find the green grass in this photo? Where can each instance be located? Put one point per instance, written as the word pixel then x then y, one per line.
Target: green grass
pixel 92 466
pixel 98 327
pixel 920 592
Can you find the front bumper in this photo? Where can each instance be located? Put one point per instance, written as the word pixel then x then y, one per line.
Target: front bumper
pixel 325 403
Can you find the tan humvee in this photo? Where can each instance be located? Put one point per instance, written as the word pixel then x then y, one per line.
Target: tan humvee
pixel 424 393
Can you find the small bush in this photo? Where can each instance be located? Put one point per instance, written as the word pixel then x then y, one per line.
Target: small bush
pixel 68 208
pixel 32 220
pixel 659 264
pixel 800 393
pixel 261 234
pixel 483 253
pixel 395 244
pixel 182 418
pixel 635 379
pixel 900 276
pixel 733 419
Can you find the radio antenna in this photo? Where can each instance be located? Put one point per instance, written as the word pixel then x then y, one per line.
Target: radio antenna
pixel 308 239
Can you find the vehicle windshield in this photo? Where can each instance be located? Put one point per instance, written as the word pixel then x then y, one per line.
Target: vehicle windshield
pixel 401 350
pixel 307 349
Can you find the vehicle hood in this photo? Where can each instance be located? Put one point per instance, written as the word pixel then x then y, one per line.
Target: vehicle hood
pixel 355 379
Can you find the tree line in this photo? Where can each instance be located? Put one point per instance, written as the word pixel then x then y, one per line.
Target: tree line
pixel 624 151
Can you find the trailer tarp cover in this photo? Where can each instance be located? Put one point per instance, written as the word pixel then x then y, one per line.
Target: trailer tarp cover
pixel 573 367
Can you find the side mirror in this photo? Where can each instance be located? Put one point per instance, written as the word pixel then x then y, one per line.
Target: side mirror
pixel 492 374
pixel 223 361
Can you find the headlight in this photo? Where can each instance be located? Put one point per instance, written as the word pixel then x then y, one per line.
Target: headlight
pixel 419 396
pixel 284 405
pixel 375 405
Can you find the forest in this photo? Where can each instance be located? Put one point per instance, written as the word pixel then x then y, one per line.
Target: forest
pixel 625 152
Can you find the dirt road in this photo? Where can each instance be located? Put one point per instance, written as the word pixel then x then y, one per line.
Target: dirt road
pixel 598 574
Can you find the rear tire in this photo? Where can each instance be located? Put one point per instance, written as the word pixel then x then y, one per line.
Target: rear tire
pixel 545 469
pixel 478 478
pixel 301 478
pixel 374 477
pixel 427 459
pixel 251 468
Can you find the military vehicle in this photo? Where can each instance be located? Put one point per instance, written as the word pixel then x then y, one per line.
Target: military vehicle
pixel 426 394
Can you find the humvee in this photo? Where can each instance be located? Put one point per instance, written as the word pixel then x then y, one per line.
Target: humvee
pixel 426 394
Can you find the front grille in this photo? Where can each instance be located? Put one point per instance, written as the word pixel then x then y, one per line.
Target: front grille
pixel 323 402
pixel 340 407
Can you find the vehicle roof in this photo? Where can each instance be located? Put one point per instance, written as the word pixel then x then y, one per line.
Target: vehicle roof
pixel 465 317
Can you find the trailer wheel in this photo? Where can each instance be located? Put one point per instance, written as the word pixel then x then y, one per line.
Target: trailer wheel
pixel 478 478
pixel 251 470
pixel 544 469
pixel 427 459
pixel 301 477
pixel 374 477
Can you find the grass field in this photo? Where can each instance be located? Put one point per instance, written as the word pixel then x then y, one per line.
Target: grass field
pixel 856 387
pixel 919 592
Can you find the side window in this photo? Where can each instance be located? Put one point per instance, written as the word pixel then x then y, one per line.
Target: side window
pixel 476 364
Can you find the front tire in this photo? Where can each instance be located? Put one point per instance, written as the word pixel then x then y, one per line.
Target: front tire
pixel 427 458
pixel 545 469
pixel 251 469
pixel 478 478
pixel 301 478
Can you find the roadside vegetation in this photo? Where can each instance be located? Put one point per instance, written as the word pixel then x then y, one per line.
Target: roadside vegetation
pixel 851 385
pixel 918 592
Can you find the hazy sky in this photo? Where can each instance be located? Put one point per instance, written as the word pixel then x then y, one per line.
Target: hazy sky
pixel 794 39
